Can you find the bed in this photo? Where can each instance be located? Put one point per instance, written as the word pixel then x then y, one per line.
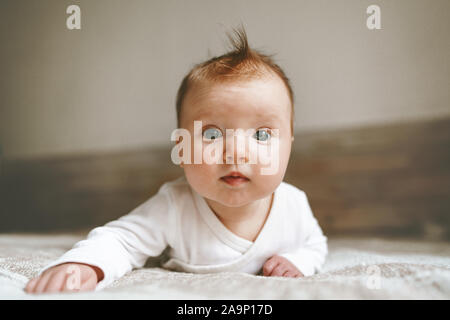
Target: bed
pixel 356 268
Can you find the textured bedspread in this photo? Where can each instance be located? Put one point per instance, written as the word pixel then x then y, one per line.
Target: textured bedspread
pixel 356 268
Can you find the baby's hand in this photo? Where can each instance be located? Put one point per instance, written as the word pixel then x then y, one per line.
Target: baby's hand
pixel 69 277
pixel 280 267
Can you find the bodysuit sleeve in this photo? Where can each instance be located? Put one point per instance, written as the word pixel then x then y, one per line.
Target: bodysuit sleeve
pixel 121 245
pixel 311 249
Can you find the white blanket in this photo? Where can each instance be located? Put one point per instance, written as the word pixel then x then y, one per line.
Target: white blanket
pixel 356 268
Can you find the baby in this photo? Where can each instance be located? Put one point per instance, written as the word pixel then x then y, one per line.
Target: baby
pixel 226 215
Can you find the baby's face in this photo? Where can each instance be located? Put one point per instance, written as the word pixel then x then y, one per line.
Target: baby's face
pixel 262 105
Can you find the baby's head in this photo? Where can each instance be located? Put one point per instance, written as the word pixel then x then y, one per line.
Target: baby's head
pixel 240 90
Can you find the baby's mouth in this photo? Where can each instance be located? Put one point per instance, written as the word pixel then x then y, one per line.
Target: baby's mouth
pixel 235 178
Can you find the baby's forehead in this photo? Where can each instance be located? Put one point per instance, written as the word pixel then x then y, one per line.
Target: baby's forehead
pixel 268 89
pixel 238 97
pixel 258 102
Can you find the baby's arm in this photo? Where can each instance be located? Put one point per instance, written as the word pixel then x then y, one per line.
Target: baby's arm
pixel 112 250
pixel 310 254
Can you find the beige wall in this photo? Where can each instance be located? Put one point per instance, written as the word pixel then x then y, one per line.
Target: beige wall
pixel 112 84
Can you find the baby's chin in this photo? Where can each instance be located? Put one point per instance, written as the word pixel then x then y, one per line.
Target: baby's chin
pixel 233 203
pixel 234 198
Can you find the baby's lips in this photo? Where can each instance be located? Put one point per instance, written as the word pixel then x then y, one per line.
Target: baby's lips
pixel 235 174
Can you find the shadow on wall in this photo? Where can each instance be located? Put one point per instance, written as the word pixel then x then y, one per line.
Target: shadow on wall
pixel 389 181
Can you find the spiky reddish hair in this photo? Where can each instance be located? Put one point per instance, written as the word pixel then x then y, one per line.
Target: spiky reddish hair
pixel 241 63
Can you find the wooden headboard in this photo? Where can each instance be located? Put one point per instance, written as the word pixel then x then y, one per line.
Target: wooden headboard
pixel 378 180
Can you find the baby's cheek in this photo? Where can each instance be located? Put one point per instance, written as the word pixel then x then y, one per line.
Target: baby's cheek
pixel 199 176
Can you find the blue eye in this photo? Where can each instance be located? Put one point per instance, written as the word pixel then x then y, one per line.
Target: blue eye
pixel 212 134
pixel 262 135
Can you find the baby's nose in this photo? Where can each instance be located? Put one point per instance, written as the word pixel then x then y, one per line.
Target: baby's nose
pixel 236 149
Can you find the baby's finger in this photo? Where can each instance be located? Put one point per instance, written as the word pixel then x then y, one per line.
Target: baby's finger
pixel 56 283
pixel 278 271
pixel 40 286
pixel 31 284
pixel 269 266
pixel 290 274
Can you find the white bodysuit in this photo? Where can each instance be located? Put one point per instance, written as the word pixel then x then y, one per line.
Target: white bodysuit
pixel 178 217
